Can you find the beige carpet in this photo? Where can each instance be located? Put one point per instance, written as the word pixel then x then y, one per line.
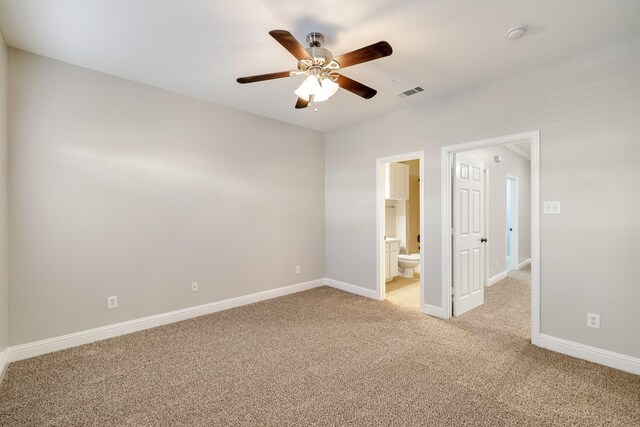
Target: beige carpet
pixel 324 357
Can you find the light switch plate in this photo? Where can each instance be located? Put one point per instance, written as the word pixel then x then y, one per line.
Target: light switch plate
pixel 551 208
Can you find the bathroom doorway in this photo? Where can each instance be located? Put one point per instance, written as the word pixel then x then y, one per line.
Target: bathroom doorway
pixel 400 223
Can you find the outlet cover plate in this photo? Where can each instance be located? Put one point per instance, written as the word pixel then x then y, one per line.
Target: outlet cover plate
pixel 593 320
pixel 112 302
pixel 194 287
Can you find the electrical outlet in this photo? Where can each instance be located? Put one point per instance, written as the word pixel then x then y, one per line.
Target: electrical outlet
pixel 298 269
pixel 593 320
pixel 112 302
pixel 194 287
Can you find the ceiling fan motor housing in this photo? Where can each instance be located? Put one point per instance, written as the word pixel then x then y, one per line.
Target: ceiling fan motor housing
pixel 315 39
pixel 319 54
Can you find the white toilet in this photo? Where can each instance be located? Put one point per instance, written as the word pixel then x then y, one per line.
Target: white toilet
pixel 407 264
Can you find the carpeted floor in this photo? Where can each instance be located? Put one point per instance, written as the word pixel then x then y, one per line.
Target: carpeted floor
pixel 324 357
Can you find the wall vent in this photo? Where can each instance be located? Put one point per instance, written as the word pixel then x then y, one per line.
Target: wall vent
pixel 410 92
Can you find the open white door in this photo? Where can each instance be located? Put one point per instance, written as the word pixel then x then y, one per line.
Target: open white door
pixel 468 234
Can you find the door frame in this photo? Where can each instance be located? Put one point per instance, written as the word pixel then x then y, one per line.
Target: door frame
pixel 515 235
pixel 380 206
pixel 446 244
pixel 485 279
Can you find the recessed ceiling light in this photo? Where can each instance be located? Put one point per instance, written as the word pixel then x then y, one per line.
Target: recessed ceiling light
pixel 516 32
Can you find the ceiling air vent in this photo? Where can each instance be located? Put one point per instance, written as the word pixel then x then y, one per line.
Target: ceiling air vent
pixel 410 92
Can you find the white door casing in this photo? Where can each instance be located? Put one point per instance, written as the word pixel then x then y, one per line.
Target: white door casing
pixel 512 223
pixel 446 181
pixel 380 242
pixel 468 232
pixel 485 248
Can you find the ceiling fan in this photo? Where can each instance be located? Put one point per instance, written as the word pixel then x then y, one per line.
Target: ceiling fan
pixel 321 68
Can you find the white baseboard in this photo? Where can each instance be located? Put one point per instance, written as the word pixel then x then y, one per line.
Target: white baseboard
pixel 432 310
pixel 495 279
pixel 503 275
pixel 354 289
pixel 592 354
pixel 4 362
pixel 49 345
pixel 524 263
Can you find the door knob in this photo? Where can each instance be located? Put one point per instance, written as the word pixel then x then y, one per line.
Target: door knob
pixel 482 240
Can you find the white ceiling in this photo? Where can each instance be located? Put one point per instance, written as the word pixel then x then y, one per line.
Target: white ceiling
pixel 199 47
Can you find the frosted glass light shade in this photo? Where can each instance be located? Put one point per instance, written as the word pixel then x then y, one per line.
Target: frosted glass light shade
pixel 321 91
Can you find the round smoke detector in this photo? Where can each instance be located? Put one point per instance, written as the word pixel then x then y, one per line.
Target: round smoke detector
pixel 516 32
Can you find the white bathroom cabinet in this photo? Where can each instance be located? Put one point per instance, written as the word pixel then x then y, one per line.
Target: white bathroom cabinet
pixel 396 181
pixel 391 251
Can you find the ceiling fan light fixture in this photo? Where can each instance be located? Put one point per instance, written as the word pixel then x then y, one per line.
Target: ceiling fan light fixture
pixel 329 88
pixel 321 88
pixel 309 87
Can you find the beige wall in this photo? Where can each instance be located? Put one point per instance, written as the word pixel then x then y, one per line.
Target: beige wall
pixel 587 108
pixel 514 165
pixel 4 280
pixel 116 188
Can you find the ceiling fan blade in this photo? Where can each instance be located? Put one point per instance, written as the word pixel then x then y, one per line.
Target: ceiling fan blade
pixel 355 87
pixel 262 77
pixel 302 103
pixel 290 43
pixel 365 54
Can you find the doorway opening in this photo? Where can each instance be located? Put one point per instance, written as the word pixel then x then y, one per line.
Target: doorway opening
pixel 471 258
pixel 399 224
